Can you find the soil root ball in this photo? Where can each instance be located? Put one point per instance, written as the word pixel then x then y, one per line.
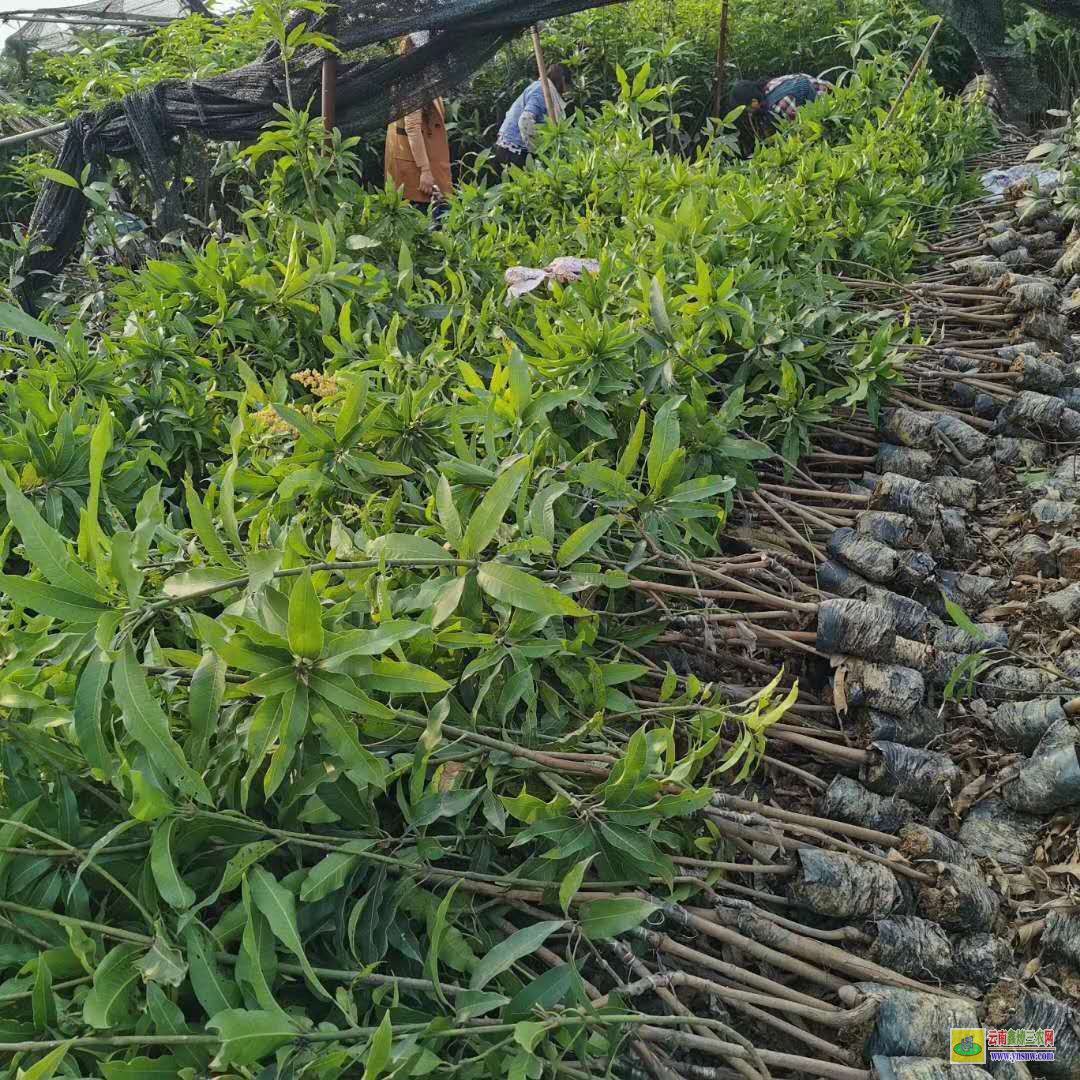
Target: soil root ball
pixel 905 460
pixel 1032 555
pixel 957 639
pixel 911 1024
pixel 924 1068
pixel 1019 452
pixel 972 592
pixel 981 269
pixel 897 531
pixel 872 560
pixel 902 495
pixel 1004 242
pixel 1061 938
pixel 1036 415
pixel 993 830
pixel 906 427
pixel 923 777
pixel 981 960
pixel 1009 682
pixel 1040 1011
pixel 841 886
pixel 913 946
pixel 911 618
pixel 836 578
pixel 1034 296
pixel 1063 606
pixel 919 728
pixel 854 628
pixel 959 900
pixel 1068 559
pixel 886 687
pixel 1050 779
pixel 921 843
pixel 1052 514
pixel 1019 725
pixel 847 800
pixel 1036 374
pixel 956 491
pixel 968 440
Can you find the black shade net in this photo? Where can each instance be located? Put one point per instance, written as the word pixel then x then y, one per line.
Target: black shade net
pixel 235 106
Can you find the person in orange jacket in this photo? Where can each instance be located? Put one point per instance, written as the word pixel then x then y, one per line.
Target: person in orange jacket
pixel 418 152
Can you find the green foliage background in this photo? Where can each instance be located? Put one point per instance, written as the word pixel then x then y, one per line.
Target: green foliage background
pixel 322 561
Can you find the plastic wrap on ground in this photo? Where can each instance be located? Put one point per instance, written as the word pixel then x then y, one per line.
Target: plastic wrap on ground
pixel 839 885
pixel 913 946
pixel 923 777
pixel 912 1024
pixel 847 800
pixel 993 830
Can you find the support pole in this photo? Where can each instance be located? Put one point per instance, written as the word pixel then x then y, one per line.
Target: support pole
pixel 914 71
pixel 29 136
pixel 721 59
pixel 329 83
pixel 541 67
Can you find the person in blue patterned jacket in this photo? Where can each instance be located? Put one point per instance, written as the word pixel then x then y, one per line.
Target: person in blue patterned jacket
pixel 766 104
pixel 517 135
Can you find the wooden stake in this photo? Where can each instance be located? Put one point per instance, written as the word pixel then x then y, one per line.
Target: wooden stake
pixel 545 85
pixel 721 59
pixel 36 133
pixel 914 71
pixel 329 84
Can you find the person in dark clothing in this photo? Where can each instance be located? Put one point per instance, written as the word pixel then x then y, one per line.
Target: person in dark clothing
pixel 766 104
pixel 517 135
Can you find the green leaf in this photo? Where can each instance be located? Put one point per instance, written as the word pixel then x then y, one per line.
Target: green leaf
pixel 449 600
pixel 582 539
pixel 11 834
pixel 308 430
pixel 544 993
pixel 527 1033
pixel 249 1035
pixel 657 307
pixel 278 905
pixel 601 919
pixel 87 711
pixel 962 619
pixel 371 642
pixel 436 932
pixel 628 459
pixel 15 319
pixel 395 677
pixel 508 952
pixel 215 992
pixel 111 1000
pixel 205 695
pixel 521 590
pixel 327 876
pixel 570 885
pixel 58 176
pixel 44 1000
pixel 195 582
pixel 50 600
pixel 149 727
pixel 306 634
pixel 447 511
pixel 344 742
pixel 47 1066
pixel 404 546
pixel 166 1067
pixel 665 439
pixel 164 964
pixel 378 1052
pixel 173 889
pixel 45 547
pixel 488 516
pixel 701 487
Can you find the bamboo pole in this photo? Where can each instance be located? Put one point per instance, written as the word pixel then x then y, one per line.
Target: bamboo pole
pixel 914 71
pixel 35 133
pixel 721 58
pixel 545 85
